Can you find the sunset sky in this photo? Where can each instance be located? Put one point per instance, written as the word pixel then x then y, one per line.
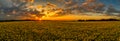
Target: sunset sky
pixel 115 3
pixel 59 9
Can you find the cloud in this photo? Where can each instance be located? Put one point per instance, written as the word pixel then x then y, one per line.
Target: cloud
pixel 60 7
pixel 6 3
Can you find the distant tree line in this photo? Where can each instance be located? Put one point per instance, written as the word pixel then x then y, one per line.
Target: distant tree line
pixel 101 20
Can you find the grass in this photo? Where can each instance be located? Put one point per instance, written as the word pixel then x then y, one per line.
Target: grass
pixel 60 31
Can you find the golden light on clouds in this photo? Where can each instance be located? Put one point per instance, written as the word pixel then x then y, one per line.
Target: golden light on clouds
pixel 77 17
pixel 52 12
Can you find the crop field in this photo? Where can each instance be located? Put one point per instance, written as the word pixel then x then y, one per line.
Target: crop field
pixel 60 31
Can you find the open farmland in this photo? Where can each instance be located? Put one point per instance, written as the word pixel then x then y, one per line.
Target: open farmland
pixel 60 31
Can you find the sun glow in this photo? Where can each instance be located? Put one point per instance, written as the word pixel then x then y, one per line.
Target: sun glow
pixel 52 12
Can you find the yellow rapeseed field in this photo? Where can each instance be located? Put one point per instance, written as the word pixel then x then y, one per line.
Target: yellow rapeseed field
pixel 60 31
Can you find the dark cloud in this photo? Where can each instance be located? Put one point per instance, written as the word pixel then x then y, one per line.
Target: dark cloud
pixel 6 3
